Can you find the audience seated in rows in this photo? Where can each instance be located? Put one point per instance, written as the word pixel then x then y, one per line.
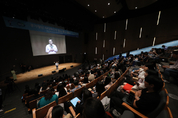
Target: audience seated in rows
pixel 48 98
pixel 57 112
pixel 146 100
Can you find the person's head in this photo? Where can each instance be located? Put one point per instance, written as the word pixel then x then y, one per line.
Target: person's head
pixel 86 94
pixel 44 87
pixel 60 87
pixel 85 79
pixel 107 80
pixel 93 108
pixel 153 83
pixel 100 88
pixel 57 112
pixel 48 95
pixel 151 72
pixel 175 54
pixel 50 41
pixel 76 82
pixel 149 66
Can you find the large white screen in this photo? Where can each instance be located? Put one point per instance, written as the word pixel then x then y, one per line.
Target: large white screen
pixel 40 40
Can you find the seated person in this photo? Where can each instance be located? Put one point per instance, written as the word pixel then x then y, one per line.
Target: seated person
pixel 48 98
pixel 60 90
pixel 77 86
pixel 85 95
pixel 36 95
pixel 107 83
pixel 91 76
pixel 57 112
pixel 99 89
pixel 171 70
pixel 93 108
pixel 146 100
pixel 85 81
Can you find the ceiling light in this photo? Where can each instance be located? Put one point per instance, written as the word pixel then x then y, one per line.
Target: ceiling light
pixel 114 11
pixel 103 16
pixel 95 10
pixel 13 17
pixel 135 7
pixel 88 5
pixel 108 3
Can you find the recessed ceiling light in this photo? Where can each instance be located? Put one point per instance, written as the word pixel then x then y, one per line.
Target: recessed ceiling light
pixel 135 7
pixel 103 16
pixel 95 10
pixel 13 17
pixel 88 5
pixel 114 11
pixel 108 3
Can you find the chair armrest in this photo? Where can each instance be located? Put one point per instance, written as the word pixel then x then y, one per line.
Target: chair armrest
pixel 72 111
pixel 132 91
pixel 34 113
pixel 77 116
pixel 133 110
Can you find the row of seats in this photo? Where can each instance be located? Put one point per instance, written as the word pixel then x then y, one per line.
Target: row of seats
pixel 162 111
pixel 41 112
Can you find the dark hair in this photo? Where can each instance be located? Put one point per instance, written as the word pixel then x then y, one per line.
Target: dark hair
pixel 150 66
pixel 71 80
pixel 57 111
pixel 44 87
pixel 85 79
pixel 86 94
pixel 93 108
pixel 156 81
pixel 76 82
pixel 152 72
pixel 64 84
pixel 61 90
pixel 48 95
pixel 107 81
pixel 100 88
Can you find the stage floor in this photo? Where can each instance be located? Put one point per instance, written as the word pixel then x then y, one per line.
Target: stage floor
pixel 46 71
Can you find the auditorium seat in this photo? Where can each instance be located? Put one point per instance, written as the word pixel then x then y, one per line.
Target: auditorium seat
pixel 41 112
pixel 157 111
pixel 65 98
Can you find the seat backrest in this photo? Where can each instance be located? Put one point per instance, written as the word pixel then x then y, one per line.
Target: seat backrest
pixel 41 112
pixel 33 103
pixel 65 98
pixel 161 106
pixel 105 93
pixel 78 92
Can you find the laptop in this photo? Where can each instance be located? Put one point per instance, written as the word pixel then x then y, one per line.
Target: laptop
pixel 129 99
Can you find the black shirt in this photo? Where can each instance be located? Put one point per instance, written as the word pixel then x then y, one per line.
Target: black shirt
pixel 148 102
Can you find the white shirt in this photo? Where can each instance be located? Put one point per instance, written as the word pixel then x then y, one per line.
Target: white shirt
pixel 51 49
pixel 56 63
pixel 175 66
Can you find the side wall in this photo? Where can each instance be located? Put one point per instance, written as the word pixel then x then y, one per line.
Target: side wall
pixel 165 31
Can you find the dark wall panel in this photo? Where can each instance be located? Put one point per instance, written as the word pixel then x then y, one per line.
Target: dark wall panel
pixel 166 31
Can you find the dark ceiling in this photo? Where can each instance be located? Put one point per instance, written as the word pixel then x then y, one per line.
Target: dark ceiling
pixel 79 15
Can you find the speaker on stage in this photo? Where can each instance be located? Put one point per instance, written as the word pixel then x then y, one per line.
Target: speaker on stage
pixel 53 71
pixel 71 66
pixel 40 75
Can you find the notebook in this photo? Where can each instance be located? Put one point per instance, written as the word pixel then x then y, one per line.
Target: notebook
pixel 129 99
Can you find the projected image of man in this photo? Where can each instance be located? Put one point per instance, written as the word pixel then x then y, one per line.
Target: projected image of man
pixel 51 48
